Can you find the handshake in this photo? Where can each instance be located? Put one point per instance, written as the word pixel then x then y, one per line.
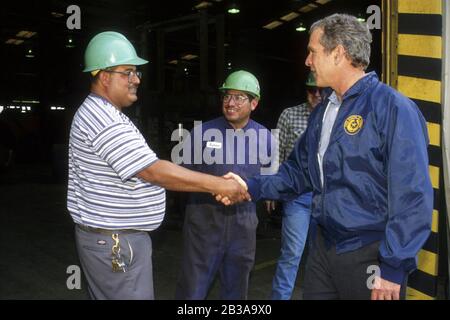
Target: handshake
pixel 233 190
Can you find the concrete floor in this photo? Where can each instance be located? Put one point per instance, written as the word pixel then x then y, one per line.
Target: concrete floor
pixel 37 243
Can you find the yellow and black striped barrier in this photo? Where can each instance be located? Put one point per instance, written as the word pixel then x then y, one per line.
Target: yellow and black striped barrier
pixel 419 76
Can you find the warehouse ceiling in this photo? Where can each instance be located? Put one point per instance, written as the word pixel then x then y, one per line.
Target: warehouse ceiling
pixel 47 19
pixel 44 57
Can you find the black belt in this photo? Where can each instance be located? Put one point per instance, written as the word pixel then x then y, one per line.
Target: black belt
pixel 106 231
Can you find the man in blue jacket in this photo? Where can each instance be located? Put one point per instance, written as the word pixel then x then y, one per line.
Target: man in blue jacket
pixel 364 157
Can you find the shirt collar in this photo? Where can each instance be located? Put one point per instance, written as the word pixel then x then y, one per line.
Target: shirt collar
pixel 334 99
pixel 245 128
pixel 105 101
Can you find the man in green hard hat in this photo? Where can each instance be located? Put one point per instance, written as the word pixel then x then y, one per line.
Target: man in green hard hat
pixel 116 182
pixel 217 239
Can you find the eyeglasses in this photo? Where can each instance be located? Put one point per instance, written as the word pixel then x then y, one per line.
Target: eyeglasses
pixel 129 73
pixel 237 98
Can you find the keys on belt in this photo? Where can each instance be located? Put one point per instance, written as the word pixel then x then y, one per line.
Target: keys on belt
pixel 118 265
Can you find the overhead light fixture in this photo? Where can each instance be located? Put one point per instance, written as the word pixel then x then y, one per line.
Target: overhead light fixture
pixel 308 8
pixel 57 14
pixel 273 25
pixel 14 41
pixel 322 2
pixel 57 108
pixel 361 18
pixel 25 34
pixel 70 43
pixel 175 62
pixel 290 16
pixel 233 9
pixel 301 28
pixel 202 5
pixel 30 53
pixel 26 101
pixel 189 56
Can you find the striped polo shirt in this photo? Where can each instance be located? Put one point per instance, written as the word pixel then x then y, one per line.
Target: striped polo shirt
pixel 106 151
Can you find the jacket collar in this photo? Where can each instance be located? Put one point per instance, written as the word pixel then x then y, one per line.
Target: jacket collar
pixel 357 88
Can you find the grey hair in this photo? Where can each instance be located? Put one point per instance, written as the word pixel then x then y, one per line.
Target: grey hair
pixel 346 30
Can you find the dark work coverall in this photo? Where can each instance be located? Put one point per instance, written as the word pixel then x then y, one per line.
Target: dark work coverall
pixel 217 238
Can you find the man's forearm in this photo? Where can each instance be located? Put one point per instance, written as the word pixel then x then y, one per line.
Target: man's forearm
pixel 176 178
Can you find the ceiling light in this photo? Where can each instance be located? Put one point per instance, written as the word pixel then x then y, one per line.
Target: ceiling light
pixel 14 41
pixel 26 101
pixel 203 5
pixel 273 25
pixel 290 16
pixel 173 61
pixel 70 43
pixel 25 34
pixel 308 8
pixel 233 9
pixel 57 14
pixel 300 28
pixel 189 56
pixel 29 53
pixel 322 2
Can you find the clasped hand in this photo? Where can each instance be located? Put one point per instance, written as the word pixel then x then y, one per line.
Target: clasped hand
pixel 233 190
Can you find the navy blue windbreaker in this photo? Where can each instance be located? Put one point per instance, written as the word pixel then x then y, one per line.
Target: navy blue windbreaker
pixel 376 180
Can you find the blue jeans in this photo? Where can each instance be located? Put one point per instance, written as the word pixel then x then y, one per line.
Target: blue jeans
pixel 294 230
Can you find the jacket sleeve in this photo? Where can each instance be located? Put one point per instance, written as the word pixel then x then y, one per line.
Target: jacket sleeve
pixel 410 194
pixel 291 179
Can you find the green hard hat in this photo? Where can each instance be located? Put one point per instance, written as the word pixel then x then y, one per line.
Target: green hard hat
pixel 243 81
pixel 108 49
pixel 311 81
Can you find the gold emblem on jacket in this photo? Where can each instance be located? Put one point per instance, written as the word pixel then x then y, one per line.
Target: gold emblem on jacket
pixel 353 125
